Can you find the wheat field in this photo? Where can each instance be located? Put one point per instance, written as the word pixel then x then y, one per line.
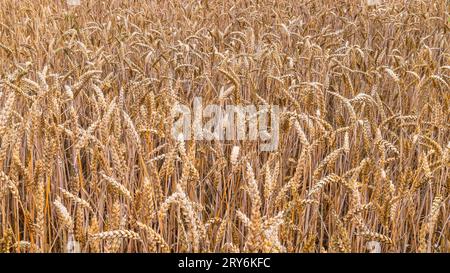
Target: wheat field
pixel 88 162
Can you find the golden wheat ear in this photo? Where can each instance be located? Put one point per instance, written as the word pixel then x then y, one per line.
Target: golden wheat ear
pixel 107 108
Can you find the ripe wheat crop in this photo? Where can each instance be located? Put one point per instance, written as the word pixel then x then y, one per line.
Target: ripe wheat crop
pixel 88 162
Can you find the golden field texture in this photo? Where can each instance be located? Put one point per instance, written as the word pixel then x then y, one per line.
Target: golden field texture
pixel 88 163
